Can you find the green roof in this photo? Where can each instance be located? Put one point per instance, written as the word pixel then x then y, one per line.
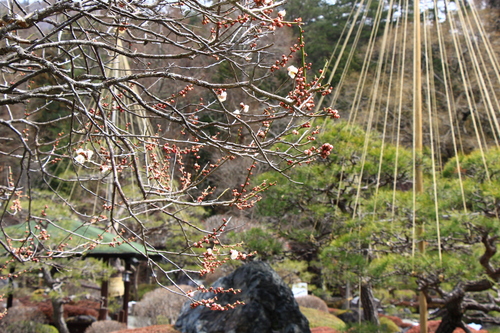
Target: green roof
pixel 83 237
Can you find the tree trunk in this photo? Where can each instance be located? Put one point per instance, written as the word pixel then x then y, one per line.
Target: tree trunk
pixel 58 315
pixel 453 314
pixel 57 302
pixel 368 303
pixel 348 296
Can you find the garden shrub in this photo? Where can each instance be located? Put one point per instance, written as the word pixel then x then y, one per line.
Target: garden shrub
pixel 25 326
pixel 312 302
pixel 161 305
pixel 105 326
pixel 21 319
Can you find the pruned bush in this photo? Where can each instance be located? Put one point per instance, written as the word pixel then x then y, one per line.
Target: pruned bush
pixel 160 305
pixel 24 313
pixel 312 302
pixel 388 325
pixel 22 319
pixel 105 326
pixel 318 318
pixel 24 326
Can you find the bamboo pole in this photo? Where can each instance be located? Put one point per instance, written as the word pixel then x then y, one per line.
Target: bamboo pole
pixel 417 104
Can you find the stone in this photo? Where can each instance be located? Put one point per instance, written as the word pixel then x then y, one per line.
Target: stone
pixel 350 316
pixel 269 305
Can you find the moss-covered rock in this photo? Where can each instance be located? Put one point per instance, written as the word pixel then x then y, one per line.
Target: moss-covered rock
pixel 319 318
pixel 388 325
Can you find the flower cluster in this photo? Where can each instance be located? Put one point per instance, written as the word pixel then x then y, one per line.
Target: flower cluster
pixel 212 302
pixel 247 198
pixel 213 305
pixel 243 107
pixel 210 257
pixel 325 150
pixel 292 70
pixel 83 155
pixel 332 112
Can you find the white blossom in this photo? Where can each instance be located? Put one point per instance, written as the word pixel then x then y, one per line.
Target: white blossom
pixel 292 71
pixel 245 108
pixel 105 168
pixel 282 13
pixel 209 251
pixel 83 155
pixel 80 159
pixel 222 96
pixel 234 254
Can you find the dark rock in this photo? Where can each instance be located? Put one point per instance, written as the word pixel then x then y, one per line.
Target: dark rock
pixel 80 323
pixel 269 305
pixel 81 319
pixel 350 316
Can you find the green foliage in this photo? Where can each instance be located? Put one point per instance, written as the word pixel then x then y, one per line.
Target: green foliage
pixel 292 271
pixel 319 318
pixel 478 165
pixel 257 239
pixel 324 193
pixel 72 272
pixel 405 295
pixel 374 233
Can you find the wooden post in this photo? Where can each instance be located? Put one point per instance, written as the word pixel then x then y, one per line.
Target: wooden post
pixel 10 297
pixel 126 295
pixel 103 310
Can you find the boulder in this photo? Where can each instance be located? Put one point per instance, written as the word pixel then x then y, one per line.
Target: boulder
pixel 313 302
pixel 269 305
pixel 350 316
